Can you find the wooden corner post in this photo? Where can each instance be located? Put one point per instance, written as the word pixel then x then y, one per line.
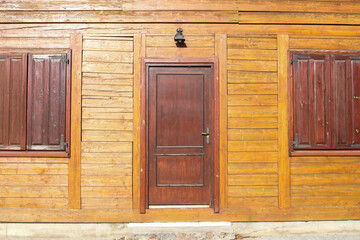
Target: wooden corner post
pixel 284 160
pixel 75 160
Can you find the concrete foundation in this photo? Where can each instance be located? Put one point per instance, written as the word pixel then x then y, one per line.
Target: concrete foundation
pixel 168 231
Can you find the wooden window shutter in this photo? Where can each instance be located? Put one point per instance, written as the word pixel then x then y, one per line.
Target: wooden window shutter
pixel 346 102
pixel 13 75
pixel 47 105
pixel 310 97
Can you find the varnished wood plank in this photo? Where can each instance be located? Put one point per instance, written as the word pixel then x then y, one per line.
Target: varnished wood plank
pixel 106 192
pixel 109 203
pixel 254 100
pixel 107 124
pixel 106 181
pixel 75 161
pixel 220 51
pixel 325 159
pixel 108 102
pixel 252 134
pixel 326 190
pixel 109 44
pixel 325 179
pixel 58 203
pixel 298 18
pixel 28 42
pixel 103 147
pixel 102 56
pixel 103 136
pixel 252 54
pixel 106 158
pixel 192 41
pixel 252 168
pixel 107 78
pixel 325 43
pixel 253 191
pixel 252 77
pixel 252 65
pixel 34 180
pixel 250 122
pixel 112 16
pixel 319 202
pixel 106 170
pixel 33 192
pixel 60 5
pixel 107 113
pixel 108 67
pixel 336 167
pixel 33 169
pixel 239 146
pixel 259 202
pixel 284 160
pixel 261 88
pixel 253 179
pixel 106 90
pixel 252 111
pixel 253 157
pixel 33 160
pixel 156 52
pixel 251 43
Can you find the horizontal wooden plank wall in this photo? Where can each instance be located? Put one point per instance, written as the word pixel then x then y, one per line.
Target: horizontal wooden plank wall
pixel 107 123
pixel 33 182
pixel 252 121
pixel 325 181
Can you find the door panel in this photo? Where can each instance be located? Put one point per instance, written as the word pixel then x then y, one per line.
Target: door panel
pixel 179 108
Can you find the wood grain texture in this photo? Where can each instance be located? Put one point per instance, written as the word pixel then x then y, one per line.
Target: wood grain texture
pixel 284 161
pixel 75 160
pixel 220 52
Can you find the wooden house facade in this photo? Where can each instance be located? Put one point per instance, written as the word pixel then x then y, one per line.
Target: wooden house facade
pixel 106 119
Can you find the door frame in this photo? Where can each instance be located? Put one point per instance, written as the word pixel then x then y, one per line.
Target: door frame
pixel 145 63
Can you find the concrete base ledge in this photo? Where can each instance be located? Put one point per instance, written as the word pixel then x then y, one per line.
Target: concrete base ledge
pixel 128 231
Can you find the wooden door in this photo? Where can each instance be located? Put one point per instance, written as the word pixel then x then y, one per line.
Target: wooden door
pixel 180 127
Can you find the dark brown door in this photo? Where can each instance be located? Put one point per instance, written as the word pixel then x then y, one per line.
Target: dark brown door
pixel 179 135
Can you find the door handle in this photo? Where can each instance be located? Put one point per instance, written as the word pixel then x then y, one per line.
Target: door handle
pixel 207 135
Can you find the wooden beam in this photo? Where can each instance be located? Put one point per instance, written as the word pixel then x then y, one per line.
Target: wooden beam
pixel 298 18
pixel 284 160
pixel 139 52
pixel 221 53
pixel 118 16
pixel 75 160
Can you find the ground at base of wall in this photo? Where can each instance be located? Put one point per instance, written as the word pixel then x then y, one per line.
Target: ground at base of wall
pixel 315 230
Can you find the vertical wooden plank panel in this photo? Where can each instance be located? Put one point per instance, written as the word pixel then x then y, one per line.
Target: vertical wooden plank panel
pixel 284 161
pixel 75 160
pixel 139 52
pixel 221 53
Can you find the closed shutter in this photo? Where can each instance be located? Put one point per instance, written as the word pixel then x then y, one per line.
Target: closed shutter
pixel 47 102
pixel 310 97
pixel 13 71
pixel 346 97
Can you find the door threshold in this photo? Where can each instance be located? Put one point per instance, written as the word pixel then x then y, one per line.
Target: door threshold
pixel 177 206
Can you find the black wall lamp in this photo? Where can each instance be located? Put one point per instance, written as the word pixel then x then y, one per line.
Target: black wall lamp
pixel 179 38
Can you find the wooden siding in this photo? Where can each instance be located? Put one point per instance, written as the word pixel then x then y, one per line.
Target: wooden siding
pixel 107 125
pixel 252 100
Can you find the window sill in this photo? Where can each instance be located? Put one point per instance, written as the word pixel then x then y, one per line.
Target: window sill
pixel 49 154
pixel 304 153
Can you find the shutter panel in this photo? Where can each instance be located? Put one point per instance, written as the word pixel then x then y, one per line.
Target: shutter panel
pixel 355 98
pixel 47 102
pixel 310 102
pixel 345 103
pixel 13 72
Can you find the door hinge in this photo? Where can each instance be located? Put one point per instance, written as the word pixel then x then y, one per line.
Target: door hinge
pixel 291 61
pixel 295 142
pixel 67 61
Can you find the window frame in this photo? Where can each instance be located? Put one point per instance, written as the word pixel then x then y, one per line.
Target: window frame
pixel 67 139
pixel 291 129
